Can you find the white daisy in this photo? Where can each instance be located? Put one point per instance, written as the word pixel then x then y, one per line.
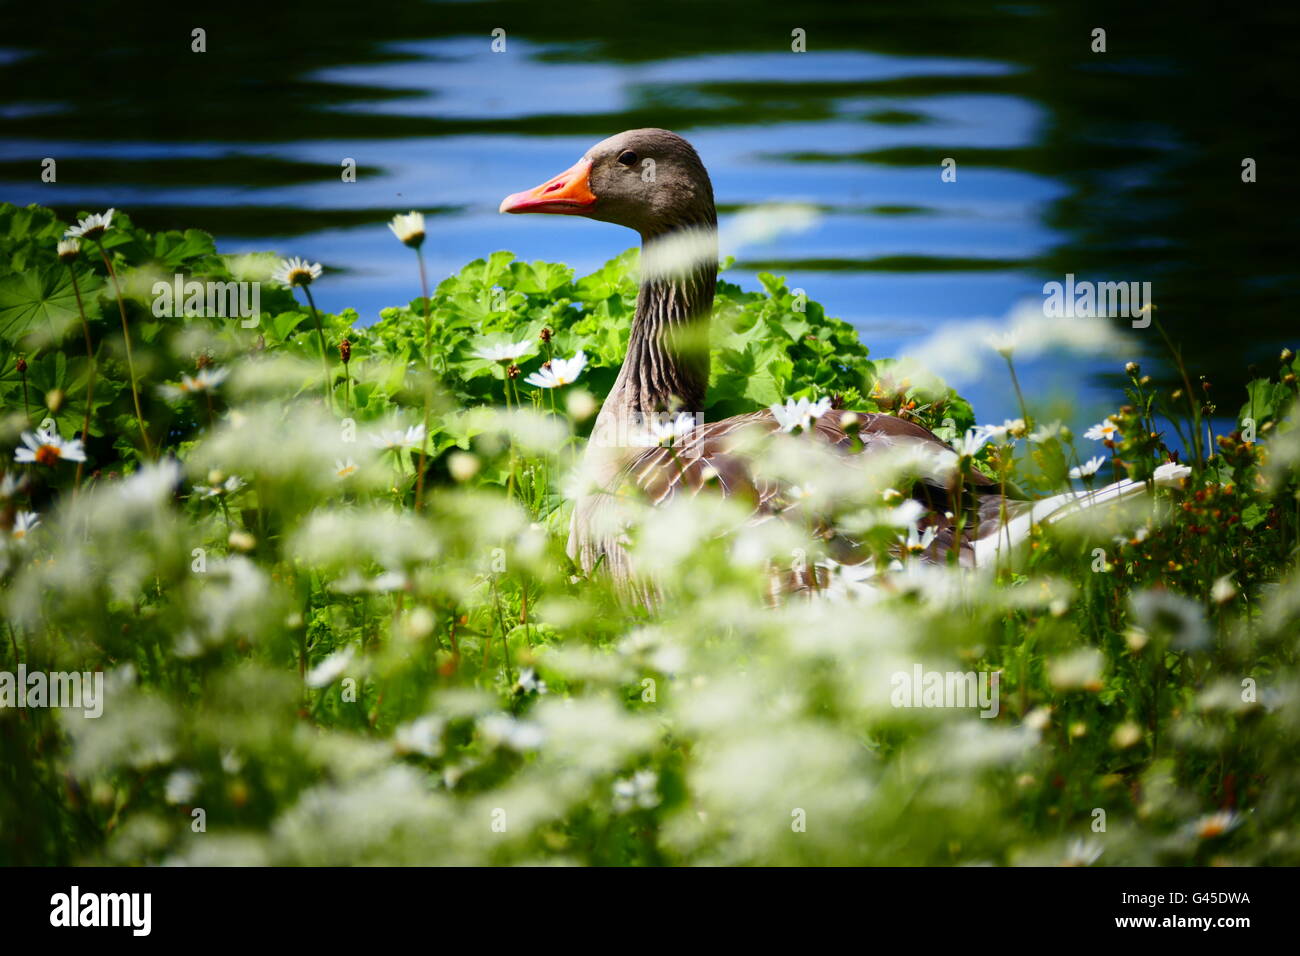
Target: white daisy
pixel 1044 433
pixel 207 380
pixel 24 521
pixel 1170 472
pixel 504 352
pixel 1088 468
pixel 345 469
pixel 1015 428
pixel 296 271
pixel 1103 431
pixel 799 414
pixel 408 228
pixel 68 250
pixel 559 372
pixel 218 488
pixel 1004 343
pixel 917 542
pixel 967 445
pixel 1216 824
pixel 47 448
pixel 529 682
pixel 11 484
pixel 92 227
pixel 393 440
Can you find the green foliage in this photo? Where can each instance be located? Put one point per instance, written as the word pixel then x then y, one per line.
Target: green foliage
pixel 338 662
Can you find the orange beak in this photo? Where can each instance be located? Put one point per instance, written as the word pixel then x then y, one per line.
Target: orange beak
pixel 568 193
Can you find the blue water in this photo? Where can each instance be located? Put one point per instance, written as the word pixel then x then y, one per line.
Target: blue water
pixel 868 210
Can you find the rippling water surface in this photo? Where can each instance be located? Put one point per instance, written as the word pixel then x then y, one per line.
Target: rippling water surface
pixel 1123 165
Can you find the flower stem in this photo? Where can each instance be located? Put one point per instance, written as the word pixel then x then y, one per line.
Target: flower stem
pixel 130 358
pixel 428 385
pixel 27 405
pixel 324 356
pixel 90 379
pixel 1015 381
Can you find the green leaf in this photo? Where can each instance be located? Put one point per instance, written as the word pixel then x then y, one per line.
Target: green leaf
pixel 42 302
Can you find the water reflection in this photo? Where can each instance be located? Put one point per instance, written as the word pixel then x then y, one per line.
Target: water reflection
pixel 1123 165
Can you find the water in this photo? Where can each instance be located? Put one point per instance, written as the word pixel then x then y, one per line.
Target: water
pixel 1123 165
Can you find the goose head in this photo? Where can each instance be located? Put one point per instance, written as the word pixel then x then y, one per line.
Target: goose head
pixel 649 180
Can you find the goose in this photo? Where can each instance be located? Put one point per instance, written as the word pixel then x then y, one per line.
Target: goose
pixel 654 182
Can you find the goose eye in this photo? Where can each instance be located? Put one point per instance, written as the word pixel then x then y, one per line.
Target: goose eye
pixel 627 157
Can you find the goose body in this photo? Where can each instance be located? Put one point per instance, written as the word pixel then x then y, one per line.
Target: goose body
pixel 653 181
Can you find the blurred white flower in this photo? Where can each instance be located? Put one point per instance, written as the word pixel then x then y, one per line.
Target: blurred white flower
pixel 345 469
pixel 24 521
pixel 354 582
pixel 502 729
pixel 331 668
pixel 969 444
pixel 1177 617
pixel 1082 853
pixel 959 351
pixel 68 249
pixel 559 372
pixel 420 736
pixel 408 228
pixel 799 414
pixel 504 352
pixel 150 485
pixel 181 786
pixel 1216 824
pixel 207 380
pixel 1088 468
pixel 413 437
pixel 1170 472
pixel 11 484
pixel 1015 428
pixel 218 488
pixel 917 542
pixel 659 432
pixel 1223 590
pixel 1046 432
pixel 1004 343
pixel 295 271
pixel 530 683
pixel 45 447
pixel 640 790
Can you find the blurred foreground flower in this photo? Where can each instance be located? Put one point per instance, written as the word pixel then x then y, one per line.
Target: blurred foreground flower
pixel 24 521
pixel 504 352
pixel 408 228
pixel 1088 468
pixel 45 447
pixel 799 414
